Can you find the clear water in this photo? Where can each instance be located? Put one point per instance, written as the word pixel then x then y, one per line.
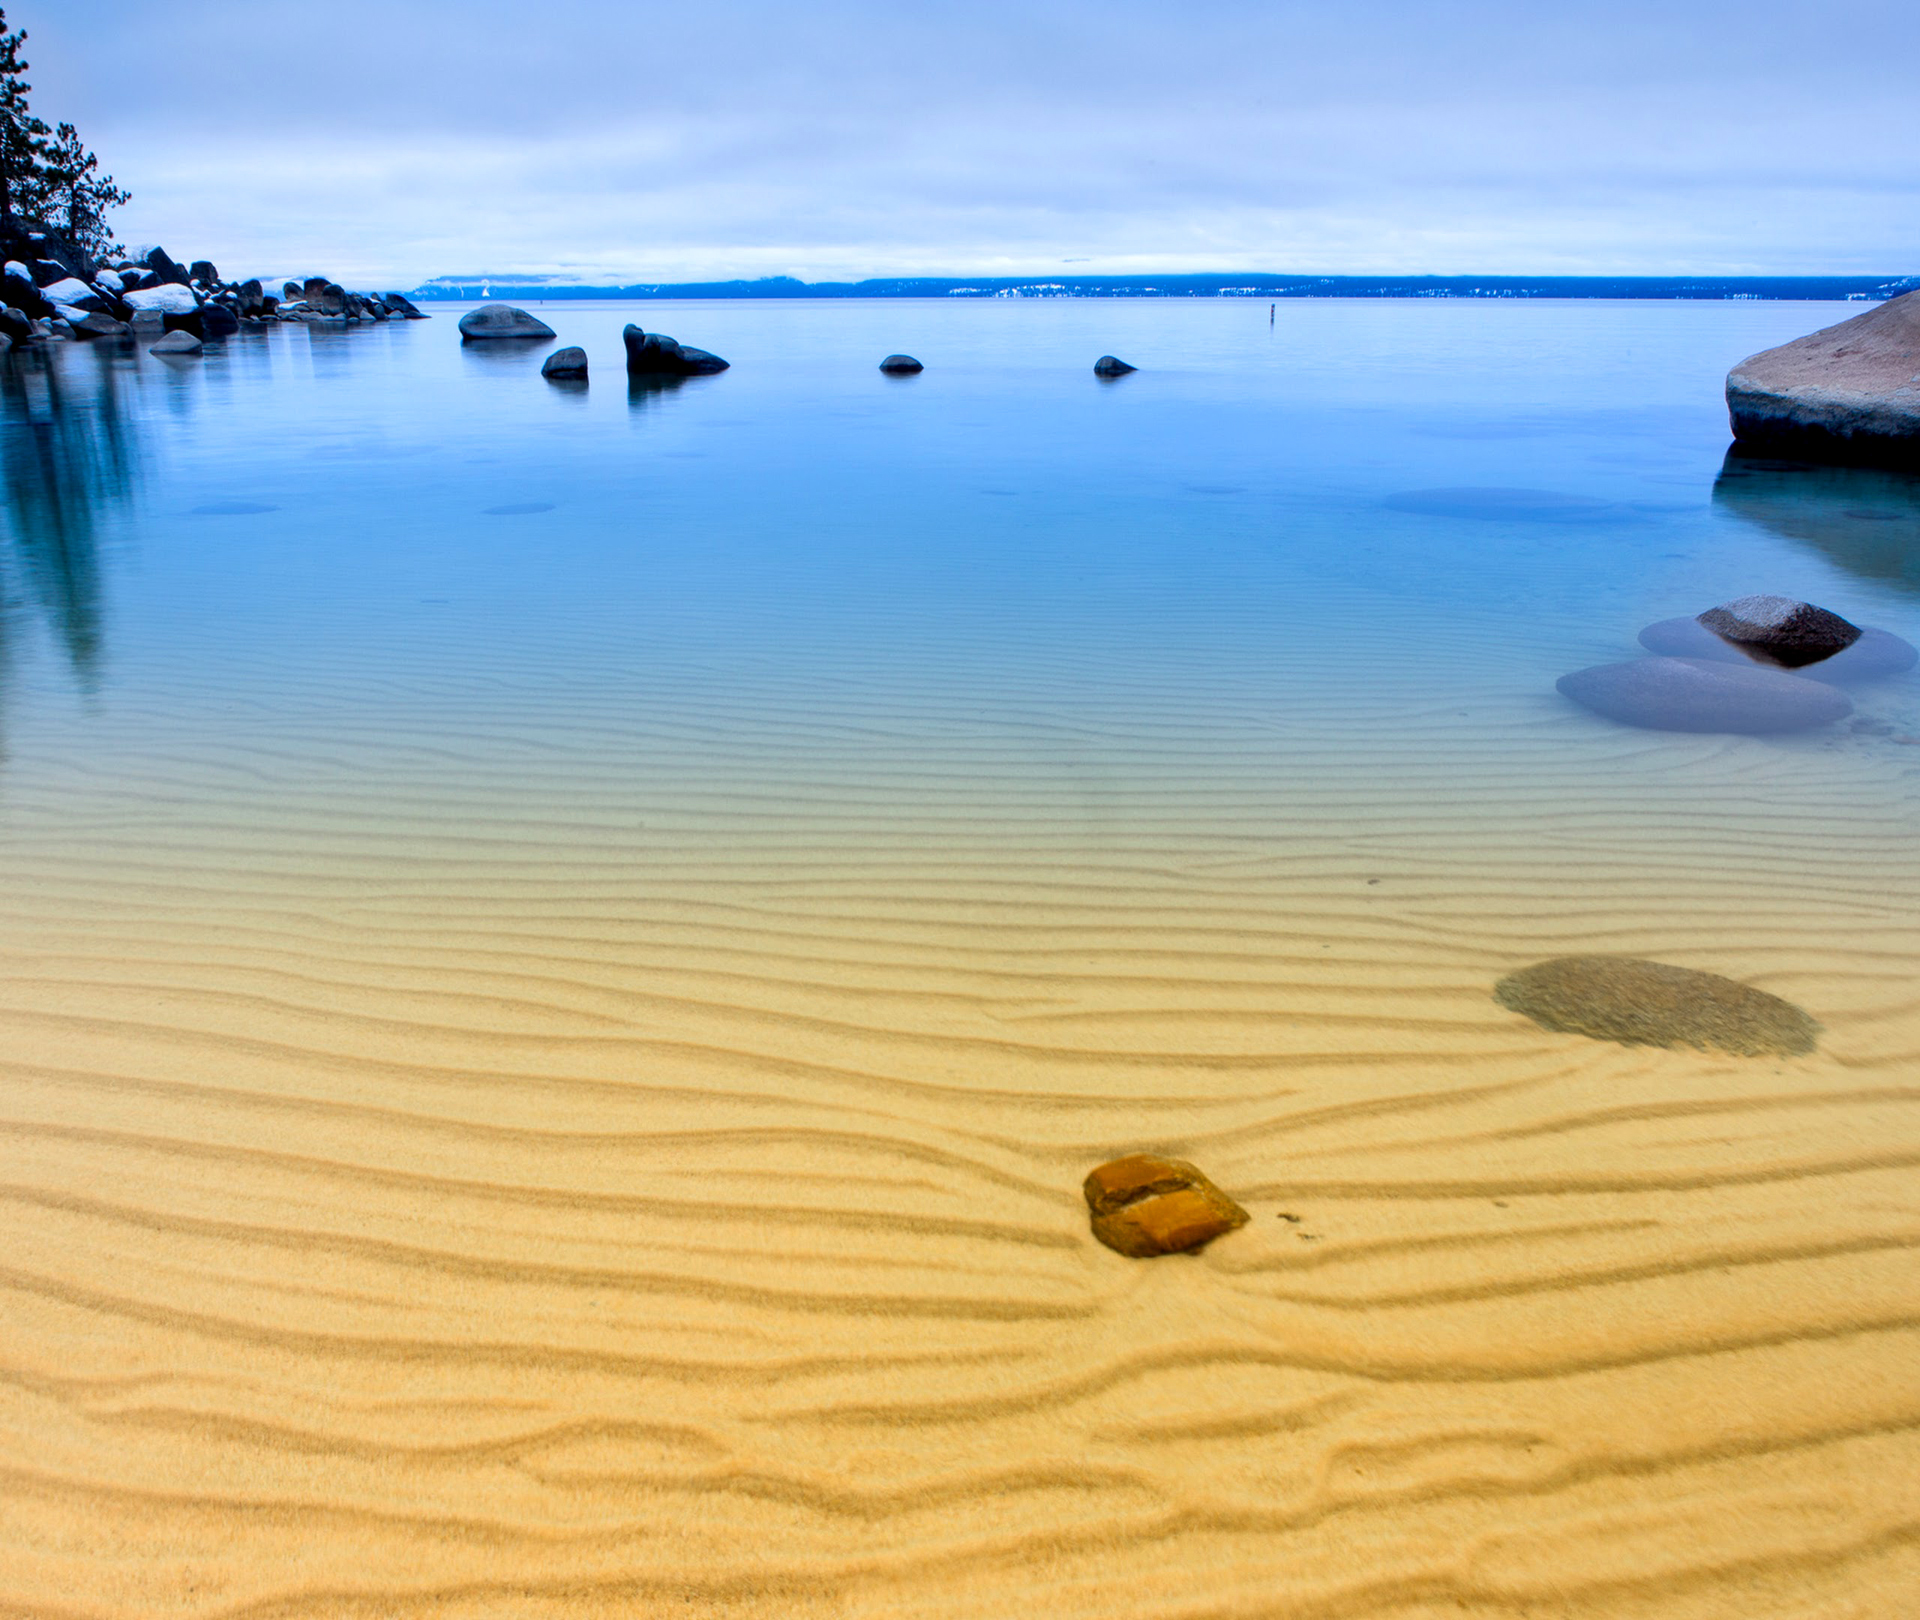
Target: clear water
pixel 567 950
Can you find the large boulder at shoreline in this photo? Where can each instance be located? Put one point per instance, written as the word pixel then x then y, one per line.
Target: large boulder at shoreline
pixel 396 302
pixel 501 321
pixel 1876 655
pixel 73 293
pixel 653 354
pixel 1845 393
pixel 217 321
pixel 1143 1205
pixel 169 298
pixel 1641 1003
pixel 21 294
pixel 1696 694
pixel 1779 630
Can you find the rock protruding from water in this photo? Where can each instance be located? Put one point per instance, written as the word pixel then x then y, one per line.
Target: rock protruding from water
pixel 177 343
pixel 1698 694
pixel 901 365
pixel 1144 1206
pixel 1844 393
pixel 498 321
pixel 1780 630
pixel 1641 1003
pixel 568 364
pixel 1876 655
pixel 1108 366
pixel 653 354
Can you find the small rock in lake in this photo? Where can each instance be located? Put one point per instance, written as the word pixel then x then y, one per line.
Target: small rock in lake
pixel 1641 1003
pixel 1143 1206
pixel 901 365
pixel 1781 630
pixel 1696 694
pixel 1876 655
pixel 1108 366
pixel 177 343
pixel 502 321
pixel 570 363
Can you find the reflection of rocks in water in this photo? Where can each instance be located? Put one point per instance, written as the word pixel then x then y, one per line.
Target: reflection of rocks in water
pixel 231 509
pixel 1143 1206
pixel 67 452
pixel 1639 1003
pixel 1876 655
pixel 1695 694
pixel 1495 505
pixel 1863 519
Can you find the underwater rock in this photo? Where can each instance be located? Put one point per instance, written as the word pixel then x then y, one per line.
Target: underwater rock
pixel 570 363
pixel 1143 1205
pixel 1641 1003
pixel 653 354
pixel 1844 393
pixel 1876 655
pixel 1697 694
pixel 901 365
pixel 1781 630
pixel 499 321
pixel 1108 366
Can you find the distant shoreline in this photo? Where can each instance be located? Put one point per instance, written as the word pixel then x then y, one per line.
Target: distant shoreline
pixel 1272 287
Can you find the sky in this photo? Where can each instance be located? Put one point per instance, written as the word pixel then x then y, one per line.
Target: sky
pixel 627 141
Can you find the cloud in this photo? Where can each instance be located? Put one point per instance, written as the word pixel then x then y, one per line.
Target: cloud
pixel 644 142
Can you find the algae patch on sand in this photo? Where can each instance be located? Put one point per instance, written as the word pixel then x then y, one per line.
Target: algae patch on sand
pixel 1641 1003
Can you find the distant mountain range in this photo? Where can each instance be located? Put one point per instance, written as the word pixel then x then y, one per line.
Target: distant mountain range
pixel 1240 285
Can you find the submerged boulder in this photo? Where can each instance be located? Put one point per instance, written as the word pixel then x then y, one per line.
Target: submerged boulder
pixel 1780 630
pixel 901 365
pixel 1144 1205
pixel 655 354
pixel 501 321
pixel 1849 392
pixel 1108 366
pixel 569 363
pixel 1698 694
pixel 1641 1003
pixel 1876 655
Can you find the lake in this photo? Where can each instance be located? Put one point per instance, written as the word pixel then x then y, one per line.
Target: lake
pixel 567 950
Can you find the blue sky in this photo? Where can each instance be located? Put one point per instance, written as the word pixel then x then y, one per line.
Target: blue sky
pixel 623 140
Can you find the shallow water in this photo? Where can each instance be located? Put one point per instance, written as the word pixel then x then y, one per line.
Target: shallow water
pixel 567 951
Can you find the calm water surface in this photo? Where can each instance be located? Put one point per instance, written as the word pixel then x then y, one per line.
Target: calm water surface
pixel 567 949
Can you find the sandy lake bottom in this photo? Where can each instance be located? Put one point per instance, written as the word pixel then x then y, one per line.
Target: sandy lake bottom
pixel 563 956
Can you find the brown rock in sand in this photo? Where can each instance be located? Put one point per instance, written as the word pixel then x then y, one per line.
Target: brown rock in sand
pixel 1640 1003
pixel 1144 1206
pixel 1846 393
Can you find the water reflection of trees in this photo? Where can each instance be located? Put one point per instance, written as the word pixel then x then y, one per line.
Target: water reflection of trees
pixel 1863 519
pixel 67 454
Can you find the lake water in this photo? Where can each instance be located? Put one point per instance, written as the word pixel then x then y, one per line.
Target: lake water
pixel 566 952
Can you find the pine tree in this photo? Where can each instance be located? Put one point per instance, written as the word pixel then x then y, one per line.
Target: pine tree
pixel 23 139
pixel 77 195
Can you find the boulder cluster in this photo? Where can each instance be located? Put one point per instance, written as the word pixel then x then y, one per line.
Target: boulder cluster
pixel 1757 665
pixel 52 290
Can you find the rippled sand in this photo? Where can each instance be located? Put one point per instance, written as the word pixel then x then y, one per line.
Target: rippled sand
pixel 624 1159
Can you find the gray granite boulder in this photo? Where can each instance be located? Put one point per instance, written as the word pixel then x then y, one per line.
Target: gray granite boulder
pixel 653 354
pixel 501 321
pixel 177 343
pixel 396 302
pixel 1779 630
pixel 100 325
pixel 901 365
pixel 569 363
pixel 1845 393
pixel 1697 694
pixel 1108 366
pixel 1876 655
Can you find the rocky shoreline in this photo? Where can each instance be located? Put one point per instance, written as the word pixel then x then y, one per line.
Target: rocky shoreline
pixel 52 291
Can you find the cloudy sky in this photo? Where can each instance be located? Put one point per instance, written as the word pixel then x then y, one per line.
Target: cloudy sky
pixel 385 141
